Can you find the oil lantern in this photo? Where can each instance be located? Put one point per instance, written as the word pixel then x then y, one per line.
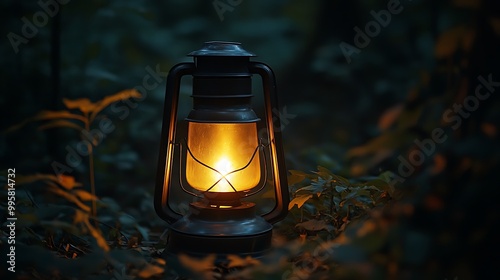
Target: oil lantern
pixel 222 158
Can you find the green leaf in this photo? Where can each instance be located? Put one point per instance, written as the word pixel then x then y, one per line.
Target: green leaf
pixel 362 192
pixel 324 173
pixel 319 186
pixel 337 179
pixel 296 177
pixel 354 192
pixel 127 220
pixel 143 231
pixel 346 195
pixel 316 187
pixel 299 200
pixel 306 188
pixel 340 189
pixel 314 225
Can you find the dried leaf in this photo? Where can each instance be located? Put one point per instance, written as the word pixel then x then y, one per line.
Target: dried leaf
pixel 299 200
pixel 70 197
pixel 495 24
pixel 198 265
pixel 108 100
pixel 237 261
pixel 50 115
pixel 60 123
pixel 160 261
pixel 451 41
pixel 433 203
pixel 489 129
pixel 68 182
pixel 82 104
pixel 150 270
pixel 474 4
pixel 367 227
pixel 303 238
pixel 388 141
pixel 467 39
pixel 80 217
pixel 447 44
pixel 439 164
pixel 26 179
pixel 17 126
pixel 84 195
pixel 358 169
pixel 390 116
pixel 101 242
pixel 47 115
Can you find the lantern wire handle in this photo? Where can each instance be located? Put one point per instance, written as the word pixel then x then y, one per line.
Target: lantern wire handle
pixel 222 175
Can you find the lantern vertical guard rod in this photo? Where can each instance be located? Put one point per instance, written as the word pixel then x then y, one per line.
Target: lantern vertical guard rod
pixel 274 130
pixel 167 143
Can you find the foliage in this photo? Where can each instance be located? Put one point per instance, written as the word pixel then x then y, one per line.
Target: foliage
pixel 65 229
pixel 64 236
pixel 333 200
pixel 89 111
pixel 357 119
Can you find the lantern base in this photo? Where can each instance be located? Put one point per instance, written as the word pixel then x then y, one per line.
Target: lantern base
pixel 221 231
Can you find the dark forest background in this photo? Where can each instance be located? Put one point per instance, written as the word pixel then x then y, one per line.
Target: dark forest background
pixel 357 117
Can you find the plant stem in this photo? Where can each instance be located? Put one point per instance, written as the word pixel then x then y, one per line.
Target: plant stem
pixel 91 170
pixel 331 199
pixel 92 180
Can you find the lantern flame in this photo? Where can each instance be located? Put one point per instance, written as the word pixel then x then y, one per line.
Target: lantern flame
pixel 221 157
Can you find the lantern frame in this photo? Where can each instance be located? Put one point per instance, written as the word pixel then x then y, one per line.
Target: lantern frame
pixel 222 74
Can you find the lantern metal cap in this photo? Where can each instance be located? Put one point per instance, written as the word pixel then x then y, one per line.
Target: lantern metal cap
pixel 221 48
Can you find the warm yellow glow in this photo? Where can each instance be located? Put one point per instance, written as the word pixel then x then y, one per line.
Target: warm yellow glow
pixel 224 147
